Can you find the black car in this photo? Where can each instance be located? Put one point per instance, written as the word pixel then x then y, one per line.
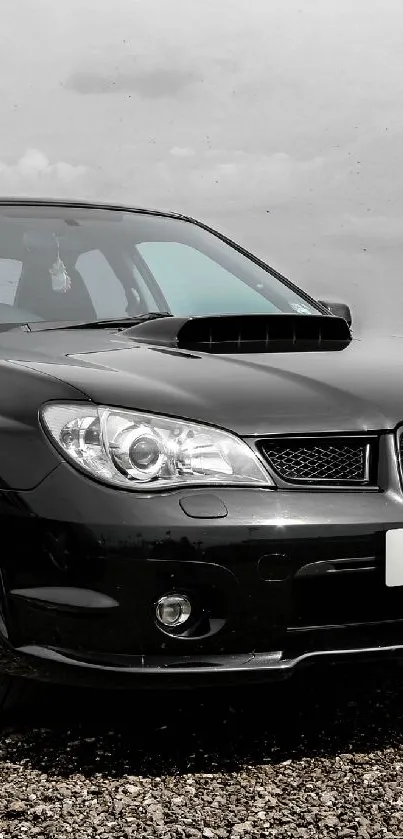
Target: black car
pixel 200 467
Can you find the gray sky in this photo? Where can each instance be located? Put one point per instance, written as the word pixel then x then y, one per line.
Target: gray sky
pixel 279 122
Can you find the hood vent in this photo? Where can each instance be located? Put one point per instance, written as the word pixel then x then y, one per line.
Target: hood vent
pixel 246 333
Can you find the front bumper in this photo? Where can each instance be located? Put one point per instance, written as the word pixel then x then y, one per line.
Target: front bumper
pixel 278 580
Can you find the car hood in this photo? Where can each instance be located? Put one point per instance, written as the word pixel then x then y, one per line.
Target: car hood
pixel 359 388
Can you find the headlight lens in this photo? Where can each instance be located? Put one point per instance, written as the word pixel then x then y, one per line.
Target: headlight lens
pixel 143 451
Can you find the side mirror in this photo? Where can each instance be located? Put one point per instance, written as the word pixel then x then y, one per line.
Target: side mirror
pixel 341 310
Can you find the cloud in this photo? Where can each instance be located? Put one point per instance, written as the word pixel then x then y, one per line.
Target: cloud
pixel 367 229
pixel 227 181
pixel 35 175
pixel 221 181
pixel 156 83
pixel 179 151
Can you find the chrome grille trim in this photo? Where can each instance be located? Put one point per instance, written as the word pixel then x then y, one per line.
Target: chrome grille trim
pixel 334 461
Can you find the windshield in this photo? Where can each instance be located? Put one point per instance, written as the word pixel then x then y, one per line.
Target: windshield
pixel 61 264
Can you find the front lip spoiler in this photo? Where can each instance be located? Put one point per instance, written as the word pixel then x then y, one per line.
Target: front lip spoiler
pixel 202 669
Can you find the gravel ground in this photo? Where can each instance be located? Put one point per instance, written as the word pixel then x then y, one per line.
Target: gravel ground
pixel 320 756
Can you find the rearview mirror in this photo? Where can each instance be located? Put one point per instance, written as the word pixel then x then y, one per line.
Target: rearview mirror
pixel 341 310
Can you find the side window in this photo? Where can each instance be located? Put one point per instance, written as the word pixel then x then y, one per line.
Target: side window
pixel 10 272
pixel 105 289
pixel 194 284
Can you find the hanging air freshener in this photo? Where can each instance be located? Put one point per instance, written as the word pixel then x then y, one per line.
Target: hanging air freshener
pixel 60 278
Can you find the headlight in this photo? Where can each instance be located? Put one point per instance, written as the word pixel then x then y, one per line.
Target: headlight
pixel 142 451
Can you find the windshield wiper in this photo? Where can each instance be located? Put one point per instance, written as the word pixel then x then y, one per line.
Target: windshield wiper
pixel 102 323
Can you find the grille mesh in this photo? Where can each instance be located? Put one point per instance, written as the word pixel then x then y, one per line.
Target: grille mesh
pixel 322 461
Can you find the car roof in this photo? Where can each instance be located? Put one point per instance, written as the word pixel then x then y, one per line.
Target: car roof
pixel 93 205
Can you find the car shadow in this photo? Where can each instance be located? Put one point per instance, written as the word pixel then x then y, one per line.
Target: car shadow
pixel 317 713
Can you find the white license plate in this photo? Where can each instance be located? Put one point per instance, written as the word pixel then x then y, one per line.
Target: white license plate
pixel 394 557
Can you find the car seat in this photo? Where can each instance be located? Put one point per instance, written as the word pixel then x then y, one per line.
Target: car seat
pixel 36 294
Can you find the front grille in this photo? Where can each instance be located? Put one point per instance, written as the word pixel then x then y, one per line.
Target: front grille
pixel 341 584
pixel 321 585
pixel 336 460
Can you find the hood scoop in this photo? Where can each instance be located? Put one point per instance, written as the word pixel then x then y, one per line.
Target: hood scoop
pixel 245 333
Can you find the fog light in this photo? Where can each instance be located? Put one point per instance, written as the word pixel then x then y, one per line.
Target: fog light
pixel 173 610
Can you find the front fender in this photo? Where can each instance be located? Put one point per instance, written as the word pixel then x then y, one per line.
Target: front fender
pixel 26 458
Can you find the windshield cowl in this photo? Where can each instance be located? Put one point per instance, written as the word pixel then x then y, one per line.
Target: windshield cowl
pixel 102 323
